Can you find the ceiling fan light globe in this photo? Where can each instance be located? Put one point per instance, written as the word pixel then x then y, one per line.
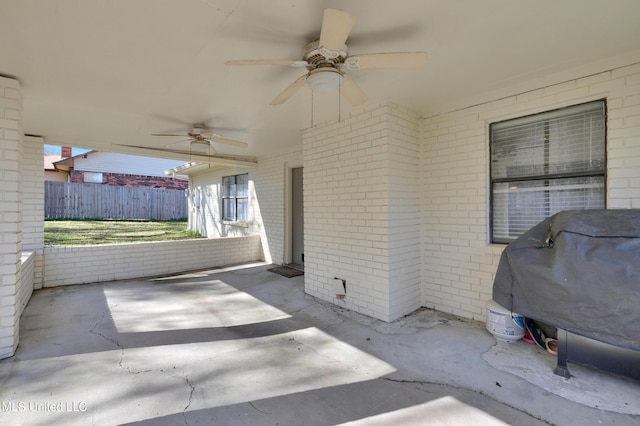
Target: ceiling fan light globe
pixel 326 81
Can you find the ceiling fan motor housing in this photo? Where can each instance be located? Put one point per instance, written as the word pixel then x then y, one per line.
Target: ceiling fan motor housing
pixel 325 75
pixel 200 130
pixel 315 55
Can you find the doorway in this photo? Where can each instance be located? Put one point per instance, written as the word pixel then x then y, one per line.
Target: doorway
pixel 297 219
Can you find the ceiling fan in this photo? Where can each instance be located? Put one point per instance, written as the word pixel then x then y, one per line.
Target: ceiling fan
pixel 327 57
pixel 202 135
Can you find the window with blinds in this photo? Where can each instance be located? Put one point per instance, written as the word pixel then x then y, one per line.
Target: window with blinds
pixel 235 198
pixel 546 163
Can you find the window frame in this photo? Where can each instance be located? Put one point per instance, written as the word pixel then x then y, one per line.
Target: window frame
pixel 93 177
pixel 549 176
pixel 234 199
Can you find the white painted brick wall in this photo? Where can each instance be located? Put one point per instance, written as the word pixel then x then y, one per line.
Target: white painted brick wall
pixel 205 203
pixel 344 197
pixel 11 160
pixel 267 197
pixel 361 211
pixel 33 203
pixel 25 290
pixel 97 263
pixel 404 212
pixel 458 262
pixel 270 203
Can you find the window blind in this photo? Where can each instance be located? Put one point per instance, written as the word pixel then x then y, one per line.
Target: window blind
pixel 544 164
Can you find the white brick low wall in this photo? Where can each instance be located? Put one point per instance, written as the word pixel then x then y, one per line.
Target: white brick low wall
pixel 96 263
pixel 25 287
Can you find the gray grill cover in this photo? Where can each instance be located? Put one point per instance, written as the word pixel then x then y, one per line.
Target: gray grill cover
pixel 579 271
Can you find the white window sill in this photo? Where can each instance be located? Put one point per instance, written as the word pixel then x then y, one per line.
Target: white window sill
pixel 238 224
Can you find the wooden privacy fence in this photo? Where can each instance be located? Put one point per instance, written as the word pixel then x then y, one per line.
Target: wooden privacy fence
pixel 91 201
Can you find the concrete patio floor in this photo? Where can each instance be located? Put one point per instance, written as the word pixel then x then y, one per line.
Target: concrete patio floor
pixel 244 346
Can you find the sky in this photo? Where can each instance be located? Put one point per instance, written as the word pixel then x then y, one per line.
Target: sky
pixel 55 150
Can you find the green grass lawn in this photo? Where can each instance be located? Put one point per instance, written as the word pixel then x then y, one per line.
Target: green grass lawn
pixel 83 232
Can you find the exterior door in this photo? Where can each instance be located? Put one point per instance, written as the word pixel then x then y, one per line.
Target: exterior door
pixel 297 218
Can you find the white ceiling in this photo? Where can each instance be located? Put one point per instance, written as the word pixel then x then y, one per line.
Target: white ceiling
pixel 101 73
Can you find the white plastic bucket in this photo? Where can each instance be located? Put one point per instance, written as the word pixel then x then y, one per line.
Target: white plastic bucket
pixel 505 326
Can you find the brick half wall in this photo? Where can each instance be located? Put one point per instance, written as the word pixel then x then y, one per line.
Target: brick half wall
pixel 25 288
pixel 109 262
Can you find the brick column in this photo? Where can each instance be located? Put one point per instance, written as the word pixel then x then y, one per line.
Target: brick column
pixel 362 213
pixel 11 141
pixel 33 204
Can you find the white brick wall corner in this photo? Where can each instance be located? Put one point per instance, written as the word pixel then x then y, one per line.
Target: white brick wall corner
pixel 33 204
pixel 362 210
pixel 11 161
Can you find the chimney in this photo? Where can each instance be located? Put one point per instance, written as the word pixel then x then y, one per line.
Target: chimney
pixel 65 152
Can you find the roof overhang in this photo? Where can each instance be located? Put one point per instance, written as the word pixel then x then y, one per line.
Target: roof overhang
pixel 202 162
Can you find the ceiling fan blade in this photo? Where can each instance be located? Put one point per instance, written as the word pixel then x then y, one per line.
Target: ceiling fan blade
pixel 290 62
pixel 336 27
pixel 209 150
pixel 352 92
pixel 178 142
pixel 399 60
pixel 170 150
pixel 218 159
pixel 229 142
pixel 289 91
pixel 167 134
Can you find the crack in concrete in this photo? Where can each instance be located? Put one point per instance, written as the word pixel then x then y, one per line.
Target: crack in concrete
pixel 192 390
pixel 116 343
pixel 419 382
pixel 256 408
pixel 109 339
pixel 301 309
